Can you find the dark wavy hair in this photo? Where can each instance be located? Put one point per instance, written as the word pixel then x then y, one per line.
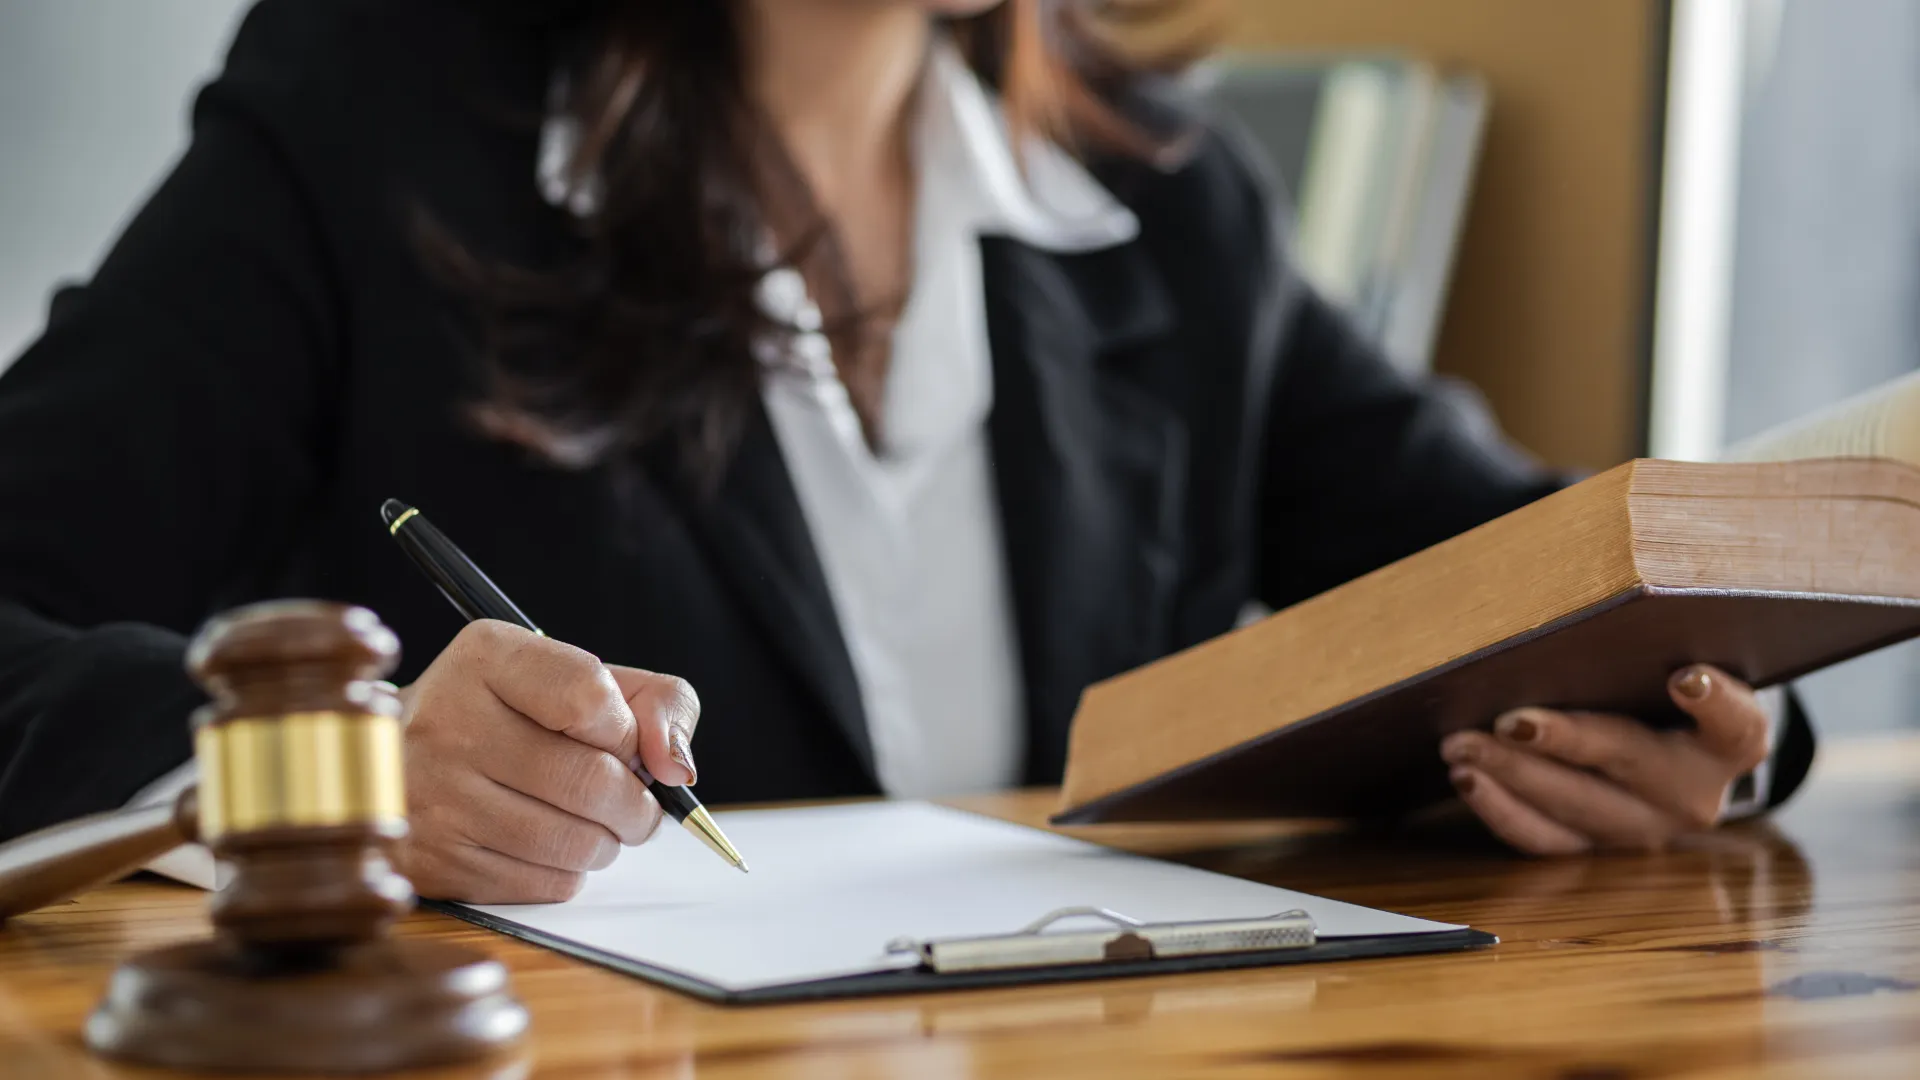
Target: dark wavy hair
pixel 651 334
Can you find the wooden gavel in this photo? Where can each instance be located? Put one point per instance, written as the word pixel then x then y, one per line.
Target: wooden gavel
pixel 301 794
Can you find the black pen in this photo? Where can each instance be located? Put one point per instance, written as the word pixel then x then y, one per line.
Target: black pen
pixel 477 597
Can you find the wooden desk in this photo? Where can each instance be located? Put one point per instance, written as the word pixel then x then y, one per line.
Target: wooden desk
pixel 1788 952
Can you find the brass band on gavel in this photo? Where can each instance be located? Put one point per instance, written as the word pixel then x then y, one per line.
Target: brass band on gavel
pixel 307 768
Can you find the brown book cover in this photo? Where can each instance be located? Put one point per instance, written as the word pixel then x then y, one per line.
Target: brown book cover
pixel 1587 599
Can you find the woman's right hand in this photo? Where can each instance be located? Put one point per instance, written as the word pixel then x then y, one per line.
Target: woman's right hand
pixel 520 759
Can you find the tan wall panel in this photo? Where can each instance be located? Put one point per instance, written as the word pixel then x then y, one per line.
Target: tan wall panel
pixel 1547 312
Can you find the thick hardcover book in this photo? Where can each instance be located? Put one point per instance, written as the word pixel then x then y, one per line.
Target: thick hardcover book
pixel 1588 599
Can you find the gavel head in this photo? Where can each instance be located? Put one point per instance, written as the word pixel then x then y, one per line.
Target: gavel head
pixel 300 793
pixel 301 790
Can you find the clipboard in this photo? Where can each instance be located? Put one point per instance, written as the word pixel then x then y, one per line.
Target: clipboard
pixel 1030 955
pixel 899 898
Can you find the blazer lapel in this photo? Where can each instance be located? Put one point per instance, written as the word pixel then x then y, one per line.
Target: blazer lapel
pixel 1089 468
pixel 754 530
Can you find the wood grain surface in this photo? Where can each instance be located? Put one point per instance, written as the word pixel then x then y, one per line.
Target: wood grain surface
pixel 1786 950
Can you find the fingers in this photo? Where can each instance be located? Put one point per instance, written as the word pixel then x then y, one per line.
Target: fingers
pixel 1591 806
pixel 1556 782
pixel 1666 769
pixel 524 828
pixel 1731 723
pixel 666 711
pixel 1512 820
pixel 558 686
pixel 573 778
pixel 475 875
pixel 518 763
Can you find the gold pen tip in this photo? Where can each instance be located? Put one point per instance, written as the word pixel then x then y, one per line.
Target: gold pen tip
pixel 701 824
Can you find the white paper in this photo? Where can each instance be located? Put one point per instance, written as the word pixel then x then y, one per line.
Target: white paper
pixel 832 885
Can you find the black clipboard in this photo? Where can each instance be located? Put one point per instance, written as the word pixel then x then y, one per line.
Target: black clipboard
pixel 924 980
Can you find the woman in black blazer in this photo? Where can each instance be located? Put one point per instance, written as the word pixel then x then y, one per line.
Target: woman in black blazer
pixel 513 261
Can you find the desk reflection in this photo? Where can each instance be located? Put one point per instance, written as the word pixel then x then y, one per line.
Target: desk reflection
pixel 1759 951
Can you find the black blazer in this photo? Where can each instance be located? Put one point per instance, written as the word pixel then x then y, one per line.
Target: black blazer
pixel 1180 426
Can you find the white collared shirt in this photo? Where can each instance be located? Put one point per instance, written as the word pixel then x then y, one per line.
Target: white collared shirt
pixel 909 537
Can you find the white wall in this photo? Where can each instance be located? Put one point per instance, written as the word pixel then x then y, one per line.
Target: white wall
pixel 94 97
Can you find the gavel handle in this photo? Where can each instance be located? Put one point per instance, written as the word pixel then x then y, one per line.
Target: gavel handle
pixel 62 860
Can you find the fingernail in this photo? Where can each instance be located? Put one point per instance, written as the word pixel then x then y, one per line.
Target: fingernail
pixel 1694 683
pixel 1517 727
pixel 1463 781
pixel 681 749
pixel 1459 749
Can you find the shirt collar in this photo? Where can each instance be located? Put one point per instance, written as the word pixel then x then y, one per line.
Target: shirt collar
pixel 1040 196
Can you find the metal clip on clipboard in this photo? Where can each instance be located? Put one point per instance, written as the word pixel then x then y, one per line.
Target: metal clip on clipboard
pixel 1123 938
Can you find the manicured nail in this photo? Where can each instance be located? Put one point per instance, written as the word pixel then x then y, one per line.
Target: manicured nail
pixel 1694 683
pixel 1459 749
pixel 1517 726
pixel 1463 781
pixel 681 748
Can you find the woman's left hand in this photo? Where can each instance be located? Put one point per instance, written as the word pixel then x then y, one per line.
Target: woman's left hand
pixel 1559 783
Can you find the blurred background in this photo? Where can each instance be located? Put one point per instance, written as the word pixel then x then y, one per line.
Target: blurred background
pixel 1637 225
